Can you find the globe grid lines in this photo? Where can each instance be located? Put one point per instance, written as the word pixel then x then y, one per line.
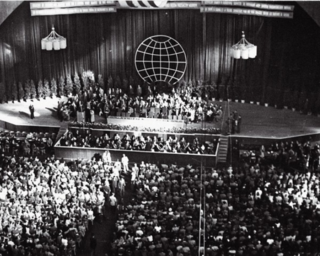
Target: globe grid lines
pixel 160 58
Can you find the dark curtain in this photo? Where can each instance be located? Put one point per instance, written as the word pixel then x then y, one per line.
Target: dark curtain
pixel 286 64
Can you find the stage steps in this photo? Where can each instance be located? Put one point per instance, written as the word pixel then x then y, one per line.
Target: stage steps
pixel 223 149
pixel 62 131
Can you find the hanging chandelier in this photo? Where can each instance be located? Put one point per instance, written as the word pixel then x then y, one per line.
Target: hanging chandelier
pixel 243 49
pixel 53 41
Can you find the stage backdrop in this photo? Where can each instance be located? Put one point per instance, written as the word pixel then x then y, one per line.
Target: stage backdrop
pixel 285 72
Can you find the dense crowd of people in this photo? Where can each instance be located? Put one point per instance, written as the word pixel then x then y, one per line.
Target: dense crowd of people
pixel 257 207
pixel 267 203
pixel 47 206
pixel 295 154
pixel 144 143
pixel 183 104
pixel 16 143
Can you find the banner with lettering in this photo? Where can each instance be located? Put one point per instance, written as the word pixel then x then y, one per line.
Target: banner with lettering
pixel 49 5
pixel 67 11
pixel 256 5
pixel 243 11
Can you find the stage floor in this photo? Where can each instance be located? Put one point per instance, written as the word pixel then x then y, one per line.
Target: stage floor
pixel 257 121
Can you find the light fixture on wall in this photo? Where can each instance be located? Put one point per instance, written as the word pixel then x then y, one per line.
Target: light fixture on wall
pixel 53 41
pixel 243 49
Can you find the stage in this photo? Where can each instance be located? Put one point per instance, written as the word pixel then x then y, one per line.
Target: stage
pixel 257 121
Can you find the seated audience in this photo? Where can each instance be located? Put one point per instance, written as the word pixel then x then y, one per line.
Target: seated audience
pixel 47 206
pixel 154 144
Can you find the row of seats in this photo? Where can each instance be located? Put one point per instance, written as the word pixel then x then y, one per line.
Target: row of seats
pixel 23 134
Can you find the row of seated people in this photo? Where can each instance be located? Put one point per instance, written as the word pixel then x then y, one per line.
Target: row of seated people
pixel 173 105
pixel 46 207
pixel 26 143
pixel 144 143
pixel 249 209
pixel 302 155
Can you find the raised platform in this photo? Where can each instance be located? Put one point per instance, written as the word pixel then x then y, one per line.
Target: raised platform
pixel 257 121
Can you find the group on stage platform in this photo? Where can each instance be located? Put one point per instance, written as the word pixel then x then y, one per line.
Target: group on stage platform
pixel 177 105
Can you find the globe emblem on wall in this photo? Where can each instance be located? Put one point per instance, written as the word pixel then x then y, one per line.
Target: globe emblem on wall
pixel 160 58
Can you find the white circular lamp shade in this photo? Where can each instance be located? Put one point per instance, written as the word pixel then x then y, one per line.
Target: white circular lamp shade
pixel 49 45
pixel 252 51
pixel 56 44
pixel 245 53
pixel 63 43
pixel 53 41
pixel 43 44
pixel 236 53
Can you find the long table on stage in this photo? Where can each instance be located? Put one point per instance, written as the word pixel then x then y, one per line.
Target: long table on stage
pixel 137 156
pixel 146 122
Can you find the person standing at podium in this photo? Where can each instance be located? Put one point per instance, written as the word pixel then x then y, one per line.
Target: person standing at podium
pixel 31 108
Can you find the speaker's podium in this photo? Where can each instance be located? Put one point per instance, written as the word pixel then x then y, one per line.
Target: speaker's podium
pixel 81 116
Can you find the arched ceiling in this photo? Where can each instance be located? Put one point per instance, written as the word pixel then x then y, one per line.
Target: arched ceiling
pixel 6 8
pixel 311 7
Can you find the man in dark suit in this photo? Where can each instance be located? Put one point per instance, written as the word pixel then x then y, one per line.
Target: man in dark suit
pixel 31 108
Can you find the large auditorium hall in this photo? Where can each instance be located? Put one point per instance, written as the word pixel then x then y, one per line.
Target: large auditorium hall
pixel 159 128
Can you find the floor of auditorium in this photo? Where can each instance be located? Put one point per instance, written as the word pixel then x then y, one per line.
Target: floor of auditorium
pixel 104 229
pixel 257 121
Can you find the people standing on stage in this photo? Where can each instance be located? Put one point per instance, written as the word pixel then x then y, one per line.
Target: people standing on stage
pixel 229 123
pixel 106 111
pixel 80 112
pixel 31 108
pixel 236 122
pixel 233 123
pixel 88 112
